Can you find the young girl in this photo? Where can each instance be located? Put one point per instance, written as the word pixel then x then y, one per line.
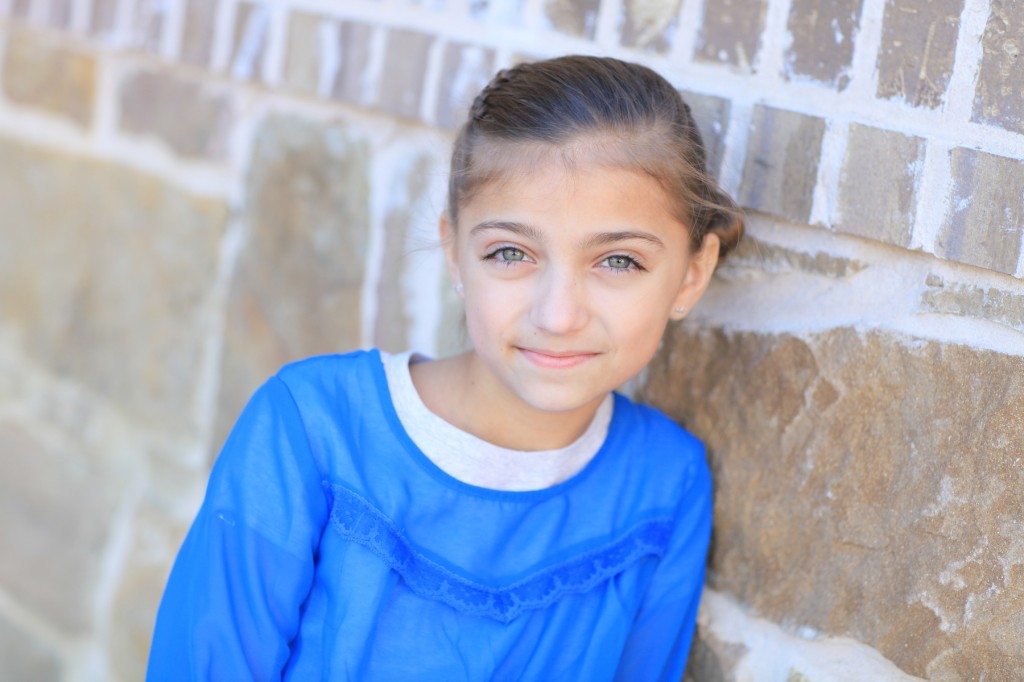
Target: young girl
pixel 500 514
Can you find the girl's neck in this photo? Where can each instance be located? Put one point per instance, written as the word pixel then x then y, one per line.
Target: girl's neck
pixel 460 390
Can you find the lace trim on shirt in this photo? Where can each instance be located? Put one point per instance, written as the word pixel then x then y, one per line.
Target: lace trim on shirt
pixel 359 521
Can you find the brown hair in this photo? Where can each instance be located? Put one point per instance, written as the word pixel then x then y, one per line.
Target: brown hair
pixel 617 112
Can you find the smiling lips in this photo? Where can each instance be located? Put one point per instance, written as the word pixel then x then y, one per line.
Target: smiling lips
pixel 556 360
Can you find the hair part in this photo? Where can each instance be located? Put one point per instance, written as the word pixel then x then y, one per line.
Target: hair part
pixel 580 109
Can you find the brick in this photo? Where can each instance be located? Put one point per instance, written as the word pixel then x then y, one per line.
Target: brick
pixel 40 72
pixel 878 185
pixel 998 99
pixel 915 58
pixel 249 40
pixel 731 32
pixel 302 60
pixel 59 15
pixel 649 24
pixel 822 40
pixel 103 20
pixel 573 17
pixel 351 83
pixel 770 258
pixel 996 305
pixel 985 223
pixel 712 116
pixel 406 67
pixel 498 12
pixel 20 9
pixel 467 69
pixel 23 657
pixel 782 163
pixel 200 25
pixel 147 22
pixel 150 104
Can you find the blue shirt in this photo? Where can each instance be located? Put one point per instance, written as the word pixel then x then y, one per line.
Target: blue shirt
pixel 329 547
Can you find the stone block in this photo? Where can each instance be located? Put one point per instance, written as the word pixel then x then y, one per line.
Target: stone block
pixel 498 12
pixel 405 71
pixel 150 105
pixel 57 507
pixel 771 258
pixel 352 82
pixel 249 40
pixel 867 486
pixel 782 163
pixel 915 58
pixel 996 305
pixel 731 32
pixel 303 56
pixel 23 657
pixel 59 14
pixel 200 26
pixel 822 40
pixel 20 9
pixel 649 24
pixel 712 116
pixel 878 185
pixel 467 69
pixel 573 17
pixel 997 99
pixel 146 24
pixel 103 19
pixel 105 275
pixel 297 286
pixel 985 222
pixel 40 71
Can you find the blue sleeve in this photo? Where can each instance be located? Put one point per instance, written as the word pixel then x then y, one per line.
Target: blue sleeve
pixel 659 642
pixel 231 606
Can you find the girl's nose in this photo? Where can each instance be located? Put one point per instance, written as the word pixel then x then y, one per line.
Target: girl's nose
pixel 560 303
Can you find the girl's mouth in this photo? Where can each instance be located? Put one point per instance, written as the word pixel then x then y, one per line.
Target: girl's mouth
pixel 550 359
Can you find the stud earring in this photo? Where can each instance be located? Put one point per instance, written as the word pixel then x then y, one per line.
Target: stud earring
pixel 681 310
pixel 458 289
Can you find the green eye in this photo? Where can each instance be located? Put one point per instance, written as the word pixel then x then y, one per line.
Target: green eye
pixel 619 262
pixel 510 253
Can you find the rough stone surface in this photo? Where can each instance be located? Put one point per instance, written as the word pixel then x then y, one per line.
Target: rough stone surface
pixel 249 40
pixel 59 15
pixel 573 17
pixel 731 32
pixel 24 658
pixel 302 63
pixel 649 24
pixel 823 35
pixel 297 286
pixel 147 23
pixel 985 224
pixel 878 185
pixel 782 163
pixel 103 19
pixel 503 12
pixel 40 71
pixel 712 116
pixel 996 305
pixel 712 660
pixel 20 8
pixel 103 276
pixel 915 58
pixel 151 105
pixel 406 67
pixel 770 258
pixel 867 486
pixel 200 24
pixel 57 507
pixel 467 69
pixel 351 83
pixel 1001 77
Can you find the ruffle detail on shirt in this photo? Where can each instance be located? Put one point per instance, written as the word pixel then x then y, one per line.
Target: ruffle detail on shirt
pixel 356 519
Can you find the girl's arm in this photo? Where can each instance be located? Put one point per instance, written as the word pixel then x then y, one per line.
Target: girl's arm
pixel 659 642
pixel 232 603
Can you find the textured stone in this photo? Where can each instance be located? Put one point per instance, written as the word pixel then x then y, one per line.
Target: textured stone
pixel 915 58
pixel 104 275
pixel 996 305
pixel 351 83
pixel 24 658
pixel 249 40
pixel 498 12
pixel 200 25
pixel 712 116
pixel 40 71
pixel 649 24
pixel 573 17
pixel 467 69
pixel 878 185
pixel 20 9
pixel 712 660
pixel 867 486
pixel 57 507
pixel 771 258
pixel 731 32
pixel 822 40
pixel 782 163
pixel 406 67
pixel 150 104
pixel 1000 81
pixel 147 22
pixel 59 15
pixel 103 19
pixel 298 283
pixel 985 224
pixel 302 63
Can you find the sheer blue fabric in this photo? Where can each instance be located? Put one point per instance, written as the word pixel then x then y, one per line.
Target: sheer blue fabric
pixel 329 547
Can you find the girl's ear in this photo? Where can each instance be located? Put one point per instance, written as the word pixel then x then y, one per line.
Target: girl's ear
pixel 447 234
pixel 698 275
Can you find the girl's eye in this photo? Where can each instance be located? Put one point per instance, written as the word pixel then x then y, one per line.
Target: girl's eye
pixel 509 254
pixel 621 262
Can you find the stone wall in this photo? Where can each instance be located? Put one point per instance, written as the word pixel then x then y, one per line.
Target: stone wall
pixel 195 191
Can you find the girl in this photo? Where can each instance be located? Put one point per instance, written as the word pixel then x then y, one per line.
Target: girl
pixel 500 514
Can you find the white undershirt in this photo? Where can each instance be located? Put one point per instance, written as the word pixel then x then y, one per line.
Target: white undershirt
pixel 477 462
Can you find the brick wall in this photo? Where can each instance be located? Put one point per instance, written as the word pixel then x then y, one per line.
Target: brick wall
pixel 195 191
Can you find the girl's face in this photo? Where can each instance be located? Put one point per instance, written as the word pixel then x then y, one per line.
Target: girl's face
pixel 570 277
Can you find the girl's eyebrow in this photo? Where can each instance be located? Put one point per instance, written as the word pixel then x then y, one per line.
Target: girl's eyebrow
pixel 521 229
pixel 602 239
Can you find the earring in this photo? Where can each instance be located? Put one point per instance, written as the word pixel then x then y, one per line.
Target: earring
pixel 681 310
pixel 458 289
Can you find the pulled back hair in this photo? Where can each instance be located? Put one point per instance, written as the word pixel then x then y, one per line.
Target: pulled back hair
pixel 593 109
